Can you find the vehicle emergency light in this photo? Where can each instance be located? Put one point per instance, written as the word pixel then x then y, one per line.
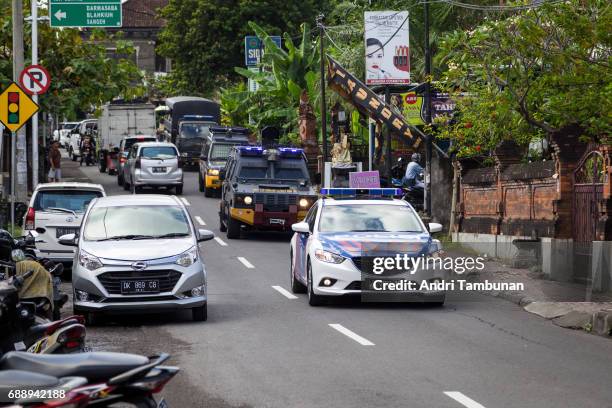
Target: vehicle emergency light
pixel 361 192
pixel 290 152
pixel 250 150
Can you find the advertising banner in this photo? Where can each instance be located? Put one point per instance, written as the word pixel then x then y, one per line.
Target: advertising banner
pixel 364 179
pixel 387 47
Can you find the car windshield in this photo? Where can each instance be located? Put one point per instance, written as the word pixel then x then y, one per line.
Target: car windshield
pixel 52 200
pixel 220 151
pixel 130 142
pixel 69 125
pixel 369 217
pixel 253 172
pixel 133 222
pixel 158 152
pixel 287 173
pixel 193 130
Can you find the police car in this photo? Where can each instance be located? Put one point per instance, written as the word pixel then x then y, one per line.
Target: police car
pixel 338 247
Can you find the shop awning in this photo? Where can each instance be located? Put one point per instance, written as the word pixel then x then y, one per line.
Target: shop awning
pixel 367 102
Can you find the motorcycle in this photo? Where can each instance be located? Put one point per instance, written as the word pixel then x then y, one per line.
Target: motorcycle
pixel 111 378
pixel 413 194
pixel 24 329
pixel 87 153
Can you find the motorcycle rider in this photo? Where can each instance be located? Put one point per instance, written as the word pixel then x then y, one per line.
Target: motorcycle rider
pixel 86 148
pixel 413 172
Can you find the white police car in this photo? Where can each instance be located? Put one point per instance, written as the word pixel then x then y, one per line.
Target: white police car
pixel 353 238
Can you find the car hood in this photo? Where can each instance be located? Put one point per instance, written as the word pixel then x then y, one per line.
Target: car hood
pixel 375 243
pixel 138 250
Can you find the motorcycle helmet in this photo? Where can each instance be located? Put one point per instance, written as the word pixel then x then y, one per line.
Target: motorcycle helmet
pixel 415 157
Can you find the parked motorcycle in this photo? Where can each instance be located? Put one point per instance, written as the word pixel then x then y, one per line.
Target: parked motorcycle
pixel 112 378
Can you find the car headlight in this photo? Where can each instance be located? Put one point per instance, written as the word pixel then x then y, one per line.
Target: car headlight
pixel 184 154
pixel 89 262
pixel 213 172
pixel 328 257
pixel 248 200
pixel 303 203
pixel 188 257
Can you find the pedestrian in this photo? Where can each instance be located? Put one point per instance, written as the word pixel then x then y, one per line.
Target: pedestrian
pixel 55 160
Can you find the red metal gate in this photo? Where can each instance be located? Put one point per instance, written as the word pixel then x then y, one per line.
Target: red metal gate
pixel 588 192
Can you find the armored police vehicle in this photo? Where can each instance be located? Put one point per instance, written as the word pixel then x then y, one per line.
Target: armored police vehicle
pixel 264 189
pixel 215 152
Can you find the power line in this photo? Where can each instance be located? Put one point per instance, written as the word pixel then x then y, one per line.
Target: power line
pixel 535 4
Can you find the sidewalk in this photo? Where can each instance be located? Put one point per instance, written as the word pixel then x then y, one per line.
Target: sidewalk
pixel 566 304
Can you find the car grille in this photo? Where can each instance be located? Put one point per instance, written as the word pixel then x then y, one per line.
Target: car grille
pixel 125 299
pixel 275 202
pixel 365 265
pixel 112 280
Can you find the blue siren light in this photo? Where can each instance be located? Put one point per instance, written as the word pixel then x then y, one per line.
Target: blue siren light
pixel 361 192
pixel 250 150
pixel 290 151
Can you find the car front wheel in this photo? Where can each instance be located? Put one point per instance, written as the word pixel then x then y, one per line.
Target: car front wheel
pixel 313 299
pixel 296 285
pixel 200 314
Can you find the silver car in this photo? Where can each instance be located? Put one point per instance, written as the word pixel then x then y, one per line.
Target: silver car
pixel 153 164
pixel 124 148
pixel 138 254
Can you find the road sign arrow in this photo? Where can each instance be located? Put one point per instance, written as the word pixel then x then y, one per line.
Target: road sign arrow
pixel 60 14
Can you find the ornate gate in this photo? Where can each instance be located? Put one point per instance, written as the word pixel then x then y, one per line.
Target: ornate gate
pixel 588 192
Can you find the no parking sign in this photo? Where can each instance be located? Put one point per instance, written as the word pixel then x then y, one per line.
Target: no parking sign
pixel 35 80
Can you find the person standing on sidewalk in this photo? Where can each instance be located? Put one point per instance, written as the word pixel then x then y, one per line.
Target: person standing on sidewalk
pixel 55 160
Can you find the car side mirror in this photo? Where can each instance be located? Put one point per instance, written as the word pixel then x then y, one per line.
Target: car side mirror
pixel 68 240
pixel 222 174
pixel 435 227
pixel 205 235
pixel 301 227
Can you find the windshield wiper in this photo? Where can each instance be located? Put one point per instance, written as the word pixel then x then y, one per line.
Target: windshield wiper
pixel 173 235
pixel 66 210
pixel 131 236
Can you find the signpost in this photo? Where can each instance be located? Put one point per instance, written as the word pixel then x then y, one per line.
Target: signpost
pixel 85 13
pixel 254 49
pixel 16 108
pixel 35 80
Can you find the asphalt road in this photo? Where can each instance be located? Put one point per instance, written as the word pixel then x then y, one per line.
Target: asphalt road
pixel 262 348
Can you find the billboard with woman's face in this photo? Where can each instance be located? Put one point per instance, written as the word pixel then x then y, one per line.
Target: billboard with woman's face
pixel 387 48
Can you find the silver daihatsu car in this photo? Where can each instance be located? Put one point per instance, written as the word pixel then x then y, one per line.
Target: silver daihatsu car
pixel 153 164
pixel 138 253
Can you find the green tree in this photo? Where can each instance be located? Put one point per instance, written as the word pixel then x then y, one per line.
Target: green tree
pixel 205 39
pixel 531 74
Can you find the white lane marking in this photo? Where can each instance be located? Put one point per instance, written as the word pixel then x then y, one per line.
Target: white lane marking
pixel 184 200
pixel 220 241
pixel 245 262
pixel 284 292
pixel 199 220
pixel 361 340
pixel 463 400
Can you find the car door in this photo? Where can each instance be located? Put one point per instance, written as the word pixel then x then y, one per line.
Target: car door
pixel 302 241
pixel 127 168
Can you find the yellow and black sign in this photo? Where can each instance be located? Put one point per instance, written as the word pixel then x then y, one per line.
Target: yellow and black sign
pixel 16 107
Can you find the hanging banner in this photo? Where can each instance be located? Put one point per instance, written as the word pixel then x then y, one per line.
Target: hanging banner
pixel 387 48
pixel 411 106
pixel 367 102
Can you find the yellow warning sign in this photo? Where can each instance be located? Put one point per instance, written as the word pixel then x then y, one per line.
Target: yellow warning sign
pixel 16 107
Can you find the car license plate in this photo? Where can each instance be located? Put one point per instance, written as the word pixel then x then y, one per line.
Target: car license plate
pixel 277 221
pixel 159 169
pixel 139 286
pixel 66 230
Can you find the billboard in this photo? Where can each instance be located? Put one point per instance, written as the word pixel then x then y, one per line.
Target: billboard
pixel 387 48
pixel 254 49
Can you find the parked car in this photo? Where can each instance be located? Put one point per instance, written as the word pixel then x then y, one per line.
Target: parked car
pixel 153 164
pixel 57 209
pixel 86 127
pixel 63 133
pixel 138 254
pixel 124 148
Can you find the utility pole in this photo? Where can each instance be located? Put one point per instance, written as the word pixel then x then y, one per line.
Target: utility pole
pixel 428 142
pixel 35 96
pixel 323 105
pixel 19 174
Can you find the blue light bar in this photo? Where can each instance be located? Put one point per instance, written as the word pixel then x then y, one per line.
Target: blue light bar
pixel 250 150
pixel 290 151
pixel 362 192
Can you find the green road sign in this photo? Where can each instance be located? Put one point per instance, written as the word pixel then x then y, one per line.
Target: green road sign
pixel 85 13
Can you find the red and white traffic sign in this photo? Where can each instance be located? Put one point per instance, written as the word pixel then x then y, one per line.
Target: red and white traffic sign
pixel 35 80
